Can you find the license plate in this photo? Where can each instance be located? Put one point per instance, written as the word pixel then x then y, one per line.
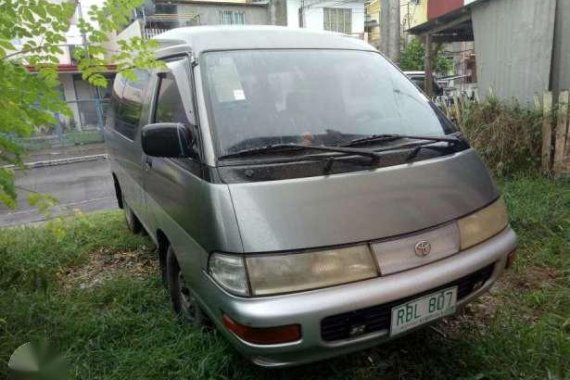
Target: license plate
pixel 423 310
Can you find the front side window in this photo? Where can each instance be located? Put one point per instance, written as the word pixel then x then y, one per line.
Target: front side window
pixel 318 97
pixel 169 105
pixel 338 20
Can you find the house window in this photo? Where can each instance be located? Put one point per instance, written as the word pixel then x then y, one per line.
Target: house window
pixel 232 17
pixel 338 20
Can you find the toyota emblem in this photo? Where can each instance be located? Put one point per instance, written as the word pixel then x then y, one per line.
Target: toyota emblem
pixel 422 248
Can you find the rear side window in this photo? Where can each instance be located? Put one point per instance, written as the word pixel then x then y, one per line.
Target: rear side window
pixel 169 105
pixel 128 103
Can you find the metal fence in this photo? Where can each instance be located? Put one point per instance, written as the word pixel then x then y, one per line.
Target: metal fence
pixel 84 126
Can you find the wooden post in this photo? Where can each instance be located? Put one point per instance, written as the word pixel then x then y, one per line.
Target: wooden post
pixel 547 132
pixel 428 66
pixel 476 95
pixel 561 134
pixel 537 105
pixel 457 108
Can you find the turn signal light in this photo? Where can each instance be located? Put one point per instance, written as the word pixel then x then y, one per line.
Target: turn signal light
pixel 264 335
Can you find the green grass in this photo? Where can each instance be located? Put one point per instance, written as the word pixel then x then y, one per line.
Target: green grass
pixel 122 327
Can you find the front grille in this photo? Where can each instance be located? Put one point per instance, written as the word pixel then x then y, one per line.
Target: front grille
pixel 377 318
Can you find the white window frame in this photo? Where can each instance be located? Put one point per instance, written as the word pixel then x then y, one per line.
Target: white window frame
pixel 230 17
pixel 337 20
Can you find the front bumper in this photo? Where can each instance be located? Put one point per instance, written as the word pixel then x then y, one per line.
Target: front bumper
pixel 309 308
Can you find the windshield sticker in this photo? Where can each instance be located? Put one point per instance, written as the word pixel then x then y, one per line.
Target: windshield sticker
pixel 226 80
pixel 239 95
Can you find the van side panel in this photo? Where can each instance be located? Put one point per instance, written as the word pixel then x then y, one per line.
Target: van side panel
pixel 196 216
pixel 123 141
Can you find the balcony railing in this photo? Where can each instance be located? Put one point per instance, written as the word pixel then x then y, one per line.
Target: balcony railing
pixel 161 22
pixel 150 32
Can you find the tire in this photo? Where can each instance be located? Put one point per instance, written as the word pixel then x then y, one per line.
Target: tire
pixel 133 223
pixel 183 303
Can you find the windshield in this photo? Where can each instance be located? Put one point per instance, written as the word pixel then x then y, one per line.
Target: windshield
pixel 311 97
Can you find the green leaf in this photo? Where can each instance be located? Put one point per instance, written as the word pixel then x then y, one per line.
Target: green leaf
pixel 6 45
pixel 29 100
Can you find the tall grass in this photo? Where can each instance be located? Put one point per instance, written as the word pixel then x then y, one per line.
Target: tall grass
pixel 506 134
pixel 123 328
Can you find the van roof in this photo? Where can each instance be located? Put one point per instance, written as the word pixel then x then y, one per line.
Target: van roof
pixel 232 37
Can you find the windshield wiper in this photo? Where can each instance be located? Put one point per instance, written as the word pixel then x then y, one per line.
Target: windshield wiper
pixel 391 137
pixel 275 148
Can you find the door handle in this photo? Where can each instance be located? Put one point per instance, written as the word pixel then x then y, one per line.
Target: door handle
pixel 147 163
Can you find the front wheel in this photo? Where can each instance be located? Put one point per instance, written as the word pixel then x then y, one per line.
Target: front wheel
pixel 133 223
pixel 183 302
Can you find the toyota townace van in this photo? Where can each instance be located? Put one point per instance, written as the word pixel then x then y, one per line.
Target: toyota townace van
pixel 305 197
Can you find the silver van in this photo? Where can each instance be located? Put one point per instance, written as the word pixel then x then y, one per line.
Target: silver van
pixel 305 197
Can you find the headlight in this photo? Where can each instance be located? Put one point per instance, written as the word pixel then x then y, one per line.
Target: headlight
pixel 229 272
pixel 483 224
pixel 272 274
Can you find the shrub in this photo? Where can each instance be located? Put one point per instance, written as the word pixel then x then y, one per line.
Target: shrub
pixel 507 135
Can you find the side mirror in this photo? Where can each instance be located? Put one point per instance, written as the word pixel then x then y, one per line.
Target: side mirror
pixel 166 140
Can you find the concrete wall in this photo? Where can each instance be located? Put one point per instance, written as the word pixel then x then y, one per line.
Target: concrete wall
pixel 209 13
pixel 513 43
pixel 314 15
pixel 561 53
pixel 413 13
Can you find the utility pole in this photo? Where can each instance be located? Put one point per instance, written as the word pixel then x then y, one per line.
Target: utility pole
pixel 390 29
pixel 302 14
pixel 394 39
pixel 384 25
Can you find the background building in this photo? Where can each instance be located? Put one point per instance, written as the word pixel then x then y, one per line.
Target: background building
pixel 158 16
pixel 336 16
pixel 87 103
pixel 521 47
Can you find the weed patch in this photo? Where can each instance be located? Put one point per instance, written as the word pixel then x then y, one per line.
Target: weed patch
pixel 101 304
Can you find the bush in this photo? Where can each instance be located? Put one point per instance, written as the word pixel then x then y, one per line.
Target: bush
pixel 412 58
pixel 507 135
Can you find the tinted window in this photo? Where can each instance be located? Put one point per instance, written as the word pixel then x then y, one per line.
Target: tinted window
pixel 127 103
pixel 321 97
pixel 169 106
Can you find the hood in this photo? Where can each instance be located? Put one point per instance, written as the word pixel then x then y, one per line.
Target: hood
pixel 360 206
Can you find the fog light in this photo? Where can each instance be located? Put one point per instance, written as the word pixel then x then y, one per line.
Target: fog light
pixel 511 259
pixel 264 335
